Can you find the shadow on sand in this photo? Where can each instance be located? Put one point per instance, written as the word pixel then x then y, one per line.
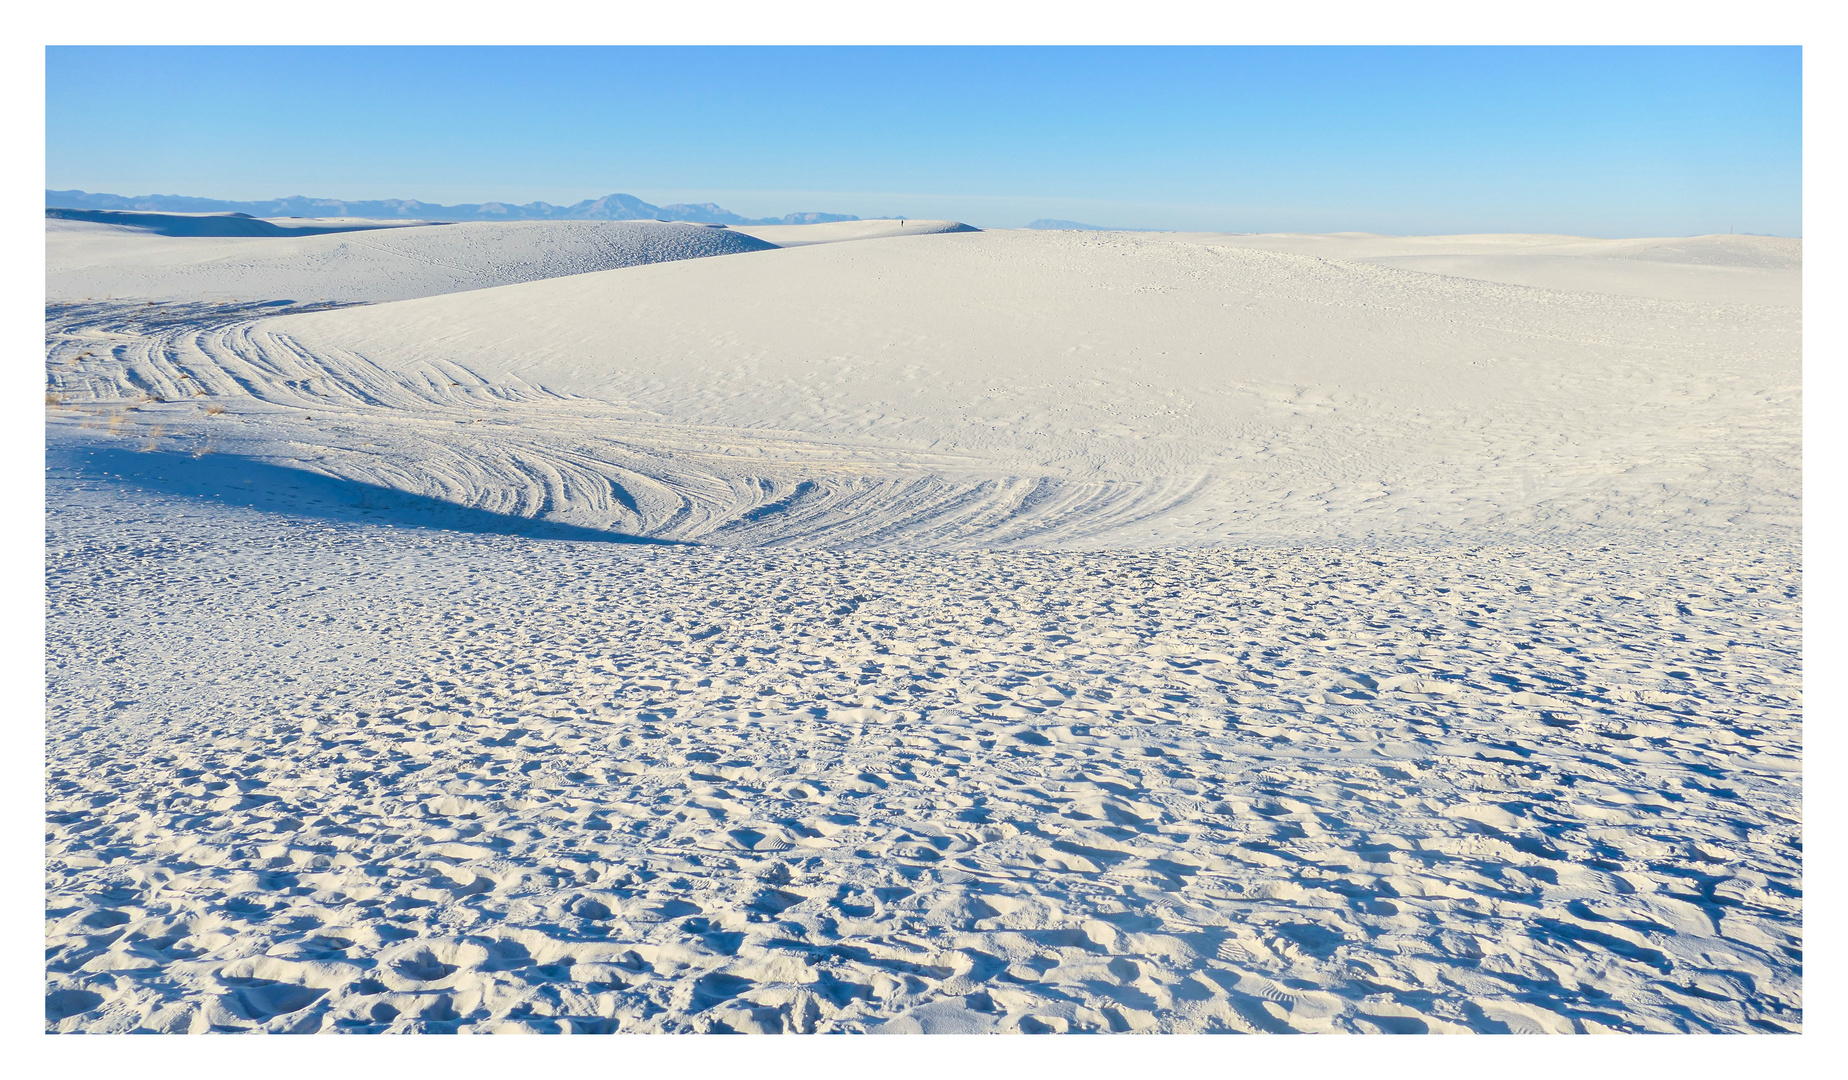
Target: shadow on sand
pixel 230 480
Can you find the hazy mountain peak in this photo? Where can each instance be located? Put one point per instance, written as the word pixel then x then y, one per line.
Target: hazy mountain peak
pixel 615 207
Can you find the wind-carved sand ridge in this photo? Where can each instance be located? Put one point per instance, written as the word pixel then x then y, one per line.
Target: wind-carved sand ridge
pixel 1035 632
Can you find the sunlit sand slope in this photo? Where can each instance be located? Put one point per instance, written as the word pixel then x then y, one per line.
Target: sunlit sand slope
pixel 953 632
pixel 1698 269
pixel 86 261
pixel 1001 388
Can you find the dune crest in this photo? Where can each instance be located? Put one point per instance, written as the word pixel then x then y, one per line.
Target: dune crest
pixel 365 264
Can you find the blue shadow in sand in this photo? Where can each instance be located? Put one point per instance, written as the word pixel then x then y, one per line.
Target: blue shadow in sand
pixel 237 481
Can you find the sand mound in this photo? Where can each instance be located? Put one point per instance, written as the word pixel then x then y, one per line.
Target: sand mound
pixel 1015 387
pixel 218 224
pixel 1698 269
pixel 835 231
pixel 360 266
pixel 1757 252
pixel 1475 705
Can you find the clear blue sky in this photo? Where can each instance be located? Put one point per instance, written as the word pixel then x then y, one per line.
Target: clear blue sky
pixel 1592 141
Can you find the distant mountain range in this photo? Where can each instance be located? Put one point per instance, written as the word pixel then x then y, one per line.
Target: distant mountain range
pixel 609 208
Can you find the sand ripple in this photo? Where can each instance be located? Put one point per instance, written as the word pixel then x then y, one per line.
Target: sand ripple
pixel 362 779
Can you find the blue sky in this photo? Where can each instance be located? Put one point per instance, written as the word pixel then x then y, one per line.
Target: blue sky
pixel 1592 141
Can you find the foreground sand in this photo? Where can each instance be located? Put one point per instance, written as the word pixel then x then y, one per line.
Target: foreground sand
pixel 355 778
pixel 942 632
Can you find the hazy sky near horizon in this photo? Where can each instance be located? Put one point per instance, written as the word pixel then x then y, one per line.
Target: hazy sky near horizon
pixel 1589 141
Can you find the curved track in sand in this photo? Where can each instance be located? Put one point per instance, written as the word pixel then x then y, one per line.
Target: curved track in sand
pixel 991 390
pixel 1473 703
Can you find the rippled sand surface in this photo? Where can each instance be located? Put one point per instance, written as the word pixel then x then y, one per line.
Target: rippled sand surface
pixel 950 632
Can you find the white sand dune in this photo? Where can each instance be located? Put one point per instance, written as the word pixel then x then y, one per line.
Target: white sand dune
pixel 87 261
pixel 1759 252
pixel 831 232
pixel 1020 631
pixel 1698 269
pixel 214 224
pixel 1007 388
